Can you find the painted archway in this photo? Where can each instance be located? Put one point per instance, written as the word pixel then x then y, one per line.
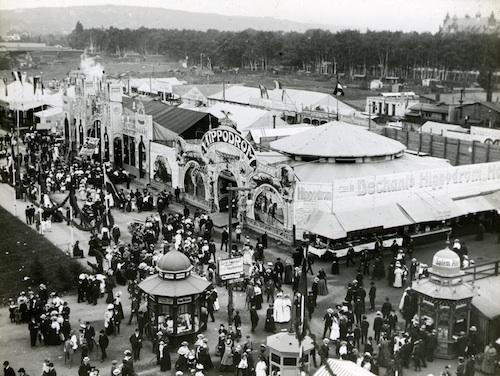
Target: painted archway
pixel 268 206
pixel 195 181
pixel 224 179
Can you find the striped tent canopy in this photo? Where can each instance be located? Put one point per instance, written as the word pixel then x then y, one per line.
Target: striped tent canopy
pixel 339 367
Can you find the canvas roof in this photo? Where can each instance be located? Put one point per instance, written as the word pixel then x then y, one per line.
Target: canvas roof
pixel 243 116
pixel 173 119
pixel 299 99
pixel 325 224
pixel 474 205
pixel 386 216
pixel 338 139
pixel 328 172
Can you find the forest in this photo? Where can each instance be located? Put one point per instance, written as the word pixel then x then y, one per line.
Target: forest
pixel 375 53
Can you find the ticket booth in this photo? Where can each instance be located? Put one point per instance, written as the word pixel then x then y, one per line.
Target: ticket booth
pixel 284 352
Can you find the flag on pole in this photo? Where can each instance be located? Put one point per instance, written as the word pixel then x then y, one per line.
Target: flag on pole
pixel 339 90
pixel 303 279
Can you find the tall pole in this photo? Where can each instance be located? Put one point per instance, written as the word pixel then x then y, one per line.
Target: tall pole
pixel 71 223
pixel 337 97
pixel 230 190
pixel 230 250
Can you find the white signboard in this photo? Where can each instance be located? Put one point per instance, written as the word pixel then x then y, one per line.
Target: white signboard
pixel 89 146
pixel 231 266
pixel 230 276
pixel 378 190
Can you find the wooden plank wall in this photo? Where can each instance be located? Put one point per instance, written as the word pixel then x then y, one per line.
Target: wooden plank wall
pixel 458 152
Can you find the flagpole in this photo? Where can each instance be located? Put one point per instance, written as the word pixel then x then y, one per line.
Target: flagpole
pixel 337 98
pixel 71 222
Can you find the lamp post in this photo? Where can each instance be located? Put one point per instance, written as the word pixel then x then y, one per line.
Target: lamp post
pixel 230 190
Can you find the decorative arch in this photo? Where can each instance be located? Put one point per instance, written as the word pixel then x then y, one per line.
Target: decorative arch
pixel 267 206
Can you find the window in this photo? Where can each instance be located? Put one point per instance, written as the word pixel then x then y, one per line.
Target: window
pixel 289 361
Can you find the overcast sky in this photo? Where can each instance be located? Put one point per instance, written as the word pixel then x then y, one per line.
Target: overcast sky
pixel 405 15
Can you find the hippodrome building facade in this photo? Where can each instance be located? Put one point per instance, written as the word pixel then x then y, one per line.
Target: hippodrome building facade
pixel 355 185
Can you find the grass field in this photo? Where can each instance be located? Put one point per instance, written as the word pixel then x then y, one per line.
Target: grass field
pixel 28 259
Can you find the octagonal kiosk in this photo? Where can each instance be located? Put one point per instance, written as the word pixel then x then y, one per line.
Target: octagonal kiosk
pixel 284 350
pixel 175 297
pixel 445 298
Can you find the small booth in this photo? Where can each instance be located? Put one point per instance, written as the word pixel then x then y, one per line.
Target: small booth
pixel 175 298
pixel 446 299
pixel 284 350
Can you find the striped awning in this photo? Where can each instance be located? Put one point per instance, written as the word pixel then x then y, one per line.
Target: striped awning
pixel 339 367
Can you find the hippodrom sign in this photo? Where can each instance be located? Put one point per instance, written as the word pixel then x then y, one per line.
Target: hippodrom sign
pixel 227 136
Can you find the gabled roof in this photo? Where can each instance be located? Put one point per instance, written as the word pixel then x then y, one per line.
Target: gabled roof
pixel 177 120
pixel 494 106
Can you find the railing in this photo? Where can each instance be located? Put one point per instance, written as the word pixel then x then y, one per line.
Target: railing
pixel 480 271
pixel 283 235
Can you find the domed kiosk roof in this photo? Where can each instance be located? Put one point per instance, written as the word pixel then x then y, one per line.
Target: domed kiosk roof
pixel 338 139
pixel 446 262
pixel 174 261
pixel 174 278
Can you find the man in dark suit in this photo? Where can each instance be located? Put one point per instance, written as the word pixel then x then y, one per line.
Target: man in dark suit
pixel 8 370
pixel 84 368
pixel 254 318
pixel 136 342
pixel 103 344
pixel 89 335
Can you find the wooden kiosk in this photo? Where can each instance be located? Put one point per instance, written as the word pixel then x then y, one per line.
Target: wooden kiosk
pixel 175 297
pixel 445 298
pixel 284 350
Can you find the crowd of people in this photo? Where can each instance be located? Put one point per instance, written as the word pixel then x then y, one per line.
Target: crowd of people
pixel 396 339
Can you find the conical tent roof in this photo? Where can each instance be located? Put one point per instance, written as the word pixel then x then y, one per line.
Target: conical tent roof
pixel 338 139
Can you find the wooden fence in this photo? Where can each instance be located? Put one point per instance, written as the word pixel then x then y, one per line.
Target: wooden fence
pixel 458 152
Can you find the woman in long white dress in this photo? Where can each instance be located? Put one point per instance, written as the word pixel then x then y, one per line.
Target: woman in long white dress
pixel 287 309
pixel 398 277
pixel 247 256
pixel 335 329
pixel 278 309
pixel 261 367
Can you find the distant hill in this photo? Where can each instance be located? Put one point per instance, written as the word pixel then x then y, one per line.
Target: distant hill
pixel 63 20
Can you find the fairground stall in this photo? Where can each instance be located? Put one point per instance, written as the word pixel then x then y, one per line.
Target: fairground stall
pixel 175 297
pixel 446 299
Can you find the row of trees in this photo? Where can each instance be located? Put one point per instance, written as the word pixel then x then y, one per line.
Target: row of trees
pixel 382 53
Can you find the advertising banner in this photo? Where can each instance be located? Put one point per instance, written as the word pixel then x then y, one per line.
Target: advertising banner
pixel 89 146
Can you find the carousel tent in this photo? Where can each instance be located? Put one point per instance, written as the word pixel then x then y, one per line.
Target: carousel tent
pixel 339 367
pixel 344 141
